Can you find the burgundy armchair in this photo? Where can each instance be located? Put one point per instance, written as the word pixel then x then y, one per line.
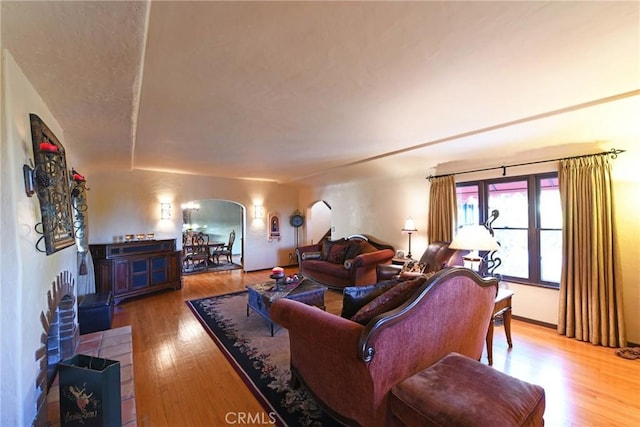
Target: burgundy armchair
pixel 350 368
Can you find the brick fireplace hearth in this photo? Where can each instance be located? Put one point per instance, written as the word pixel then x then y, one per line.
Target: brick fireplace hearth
pixel 60 338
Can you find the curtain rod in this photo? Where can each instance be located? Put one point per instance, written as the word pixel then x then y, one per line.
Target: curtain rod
pixel 613 153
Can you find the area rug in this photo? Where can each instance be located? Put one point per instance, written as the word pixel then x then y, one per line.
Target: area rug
pixel 261 360
pixel 225 267
pixel 229 266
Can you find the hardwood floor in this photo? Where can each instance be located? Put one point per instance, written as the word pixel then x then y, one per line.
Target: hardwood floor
pixel 182 379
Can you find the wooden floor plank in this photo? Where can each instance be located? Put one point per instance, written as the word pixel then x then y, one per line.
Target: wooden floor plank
pixel 182 379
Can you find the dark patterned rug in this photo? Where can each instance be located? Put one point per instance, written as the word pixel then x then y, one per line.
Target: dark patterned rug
pixel 229 266
pixel 261 360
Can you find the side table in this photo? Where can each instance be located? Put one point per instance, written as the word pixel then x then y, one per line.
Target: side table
pixel 502 306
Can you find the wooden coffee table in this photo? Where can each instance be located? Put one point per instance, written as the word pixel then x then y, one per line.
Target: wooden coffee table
pixel 261 297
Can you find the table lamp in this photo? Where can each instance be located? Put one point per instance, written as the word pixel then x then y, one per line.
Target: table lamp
pixel 474 238
pixel 409 227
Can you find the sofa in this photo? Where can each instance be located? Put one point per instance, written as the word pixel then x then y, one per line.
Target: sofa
pixel 437 256
pixel 349 365
pixel 345 262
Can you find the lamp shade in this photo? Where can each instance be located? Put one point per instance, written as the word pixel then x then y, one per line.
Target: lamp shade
pixel 409 225
pixel 474 238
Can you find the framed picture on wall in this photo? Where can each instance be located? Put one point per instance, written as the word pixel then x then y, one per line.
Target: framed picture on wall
pixel 52 185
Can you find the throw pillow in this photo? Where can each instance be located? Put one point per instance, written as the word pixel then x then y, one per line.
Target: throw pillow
pixel 356 297
pixel 366 247
pixel 389 300
pixel 325 248
pixel 327 245
pixel 353 249
pixel 336 254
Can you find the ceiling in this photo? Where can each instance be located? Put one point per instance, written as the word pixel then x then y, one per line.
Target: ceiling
pixel 320 92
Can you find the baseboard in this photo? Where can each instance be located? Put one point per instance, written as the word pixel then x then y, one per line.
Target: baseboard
pixel 535 322
pixel 267 269
pixel 552 326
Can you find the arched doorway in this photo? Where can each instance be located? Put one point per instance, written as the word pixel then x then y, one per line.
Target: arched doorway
pixel 319 222
pixel 218 219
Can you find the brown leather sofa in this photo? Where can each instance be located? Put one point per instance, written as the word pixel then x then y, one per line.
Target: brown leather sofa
pixel 437 256
pixel 345 262
pixel 350 368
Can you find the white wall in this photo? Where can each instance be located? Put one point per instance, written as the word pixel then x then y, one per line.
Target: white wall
pixel 122 202
pixel 26 274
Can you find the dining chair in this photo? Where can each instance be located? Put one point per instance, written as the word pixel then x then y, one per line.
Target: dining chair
pixel 226 250
pixel 198 251
pixel 186 250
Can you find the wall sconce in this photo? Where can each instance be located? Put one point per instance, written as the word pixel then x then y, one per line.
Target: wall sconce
pixel 409 227
pixel 165 210
pixel 258 212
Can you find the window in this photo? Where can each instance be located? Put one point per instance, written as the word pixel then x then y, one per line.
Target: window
pixel 529 227
pixel 468 204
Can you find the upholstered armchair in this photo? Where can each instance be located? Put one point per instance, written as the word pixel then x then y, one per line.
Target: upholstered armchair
pixel 435 257
pixel 349 367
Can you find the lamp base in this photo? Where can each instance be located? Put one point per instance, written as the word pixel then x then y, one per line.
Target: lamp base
pixel 409 253
pixel 472 262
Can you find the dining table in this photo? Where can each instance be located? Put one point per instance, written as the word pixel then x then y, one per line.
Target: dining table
pixel 212 247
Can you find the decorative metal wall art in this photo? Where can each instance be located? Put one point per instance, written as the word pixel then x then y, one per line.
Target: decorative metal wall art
pixel 49 179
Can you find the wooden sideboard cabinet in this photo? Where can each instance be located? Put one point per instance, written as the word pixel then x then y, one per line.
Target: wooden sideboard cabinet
pixel 136 268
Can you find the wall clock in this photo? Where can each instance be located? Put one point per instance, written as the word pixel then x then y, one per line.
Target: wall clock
pixel 296 219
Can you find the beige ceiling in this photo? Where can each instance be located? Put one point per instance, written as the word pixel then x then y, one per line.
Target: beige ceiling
pixel 297 91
